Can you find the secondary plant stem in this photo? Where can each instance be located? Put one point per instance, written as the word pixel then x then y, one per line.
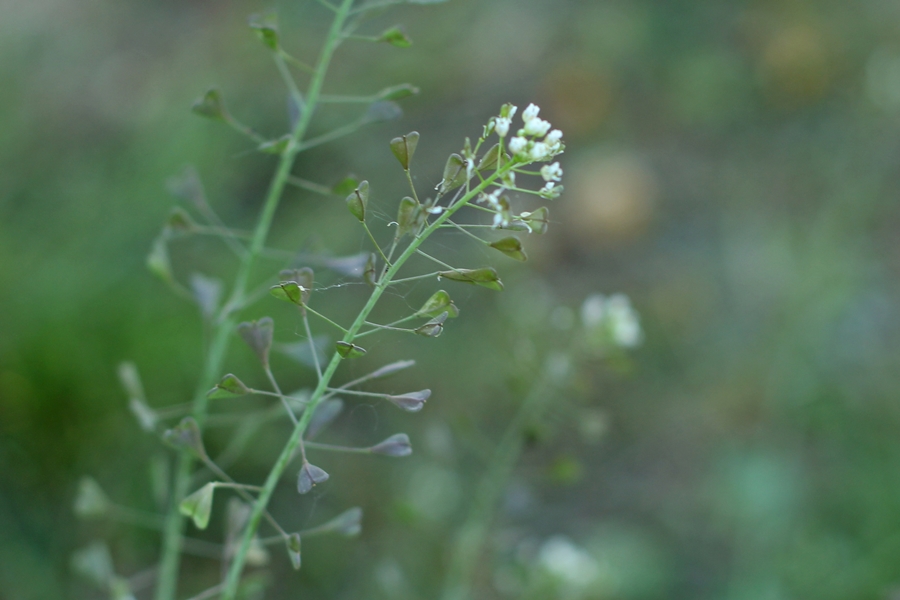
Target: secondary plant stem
pixel 174 526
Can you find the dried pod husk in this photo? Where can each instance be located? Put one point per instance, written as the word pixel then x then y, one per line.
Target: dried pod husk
pixel 434 327
pixel 258 335
pixel 325 414
pixel 411 402
pixel 390 369
pixel 310 476
pixel 207 292
pixel 370 272
pixel 397 445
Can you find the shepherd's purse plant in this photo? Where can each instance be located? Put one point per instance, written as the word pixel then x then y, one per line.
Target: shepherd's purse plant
pixel 482 177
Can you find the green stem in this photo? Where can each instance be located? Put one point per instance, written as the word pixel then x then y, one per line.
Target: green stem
pixel 174 526
pixel 470 539
pixel 287 453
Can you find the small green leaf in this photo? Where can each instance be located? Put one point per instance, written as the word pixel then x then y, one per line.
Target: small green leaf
pixel 198 505
pixel 489 160
pixel 538 220
pixel 266 29
pixel 396 445
pixel 404 147
pixel 510 246
pixel 293 548
pixel 186 435
pixel 358 200
pixel 90 502
pixel 348 350
pixel 485 277
pixel 397 92
pixel 94 563
pixel 395 36
pixel 454 173
pixel 158 260
pixel 345 186
pixel 207 292
pixel 258 335
pixel 288 291
pixel 310 476
pixel 383 110
pixel 325 413
pixel 211 105
pixel 439 302
pixel 370 272
pixel 410 216
pixel 179 221
pixel 434 327
pixel 411 402
pixel 229 387
pixel 275 146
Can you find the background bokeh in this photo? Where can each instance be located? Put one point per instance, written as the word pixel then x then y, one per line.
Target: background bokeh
pixel 731 166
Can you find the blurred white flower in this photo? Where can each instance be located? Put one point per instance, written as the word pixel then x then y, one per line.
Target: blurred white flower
pixel 553 137
pixel 613 316
pixel 567 562
pixel 539 151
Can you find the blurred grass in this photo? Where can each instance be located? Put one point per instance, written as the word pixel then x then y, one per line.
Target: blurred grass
pixel 731 166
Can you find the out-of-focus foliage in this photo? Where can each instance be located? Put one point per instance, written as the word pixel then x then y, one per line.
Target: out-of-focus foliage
pixel 732 166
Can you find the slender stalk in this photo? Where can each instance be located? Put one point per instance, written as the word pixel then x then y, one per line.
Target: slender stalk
pixel 174 526
pixel 470 539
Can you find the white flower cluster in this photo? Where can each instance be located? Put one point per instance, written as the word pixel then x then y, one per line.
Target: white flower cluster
pixel 525 144
pixel 613 316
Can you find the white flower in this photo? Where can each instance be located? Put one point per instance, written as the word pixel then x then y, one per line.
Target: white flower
pixel 553 137
pixel 551 172
pixel 501 125
pixel 626 329
pixel 530 113
pixel 537 127
pixel 539 151
pixel 613 315
pixel 593 310
pixel 517 144
pixel 569 563
pixel 550 190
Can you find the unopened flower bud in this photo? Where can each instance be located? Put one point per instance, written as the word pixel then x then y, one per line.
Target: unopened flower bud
pixel 501 126
pixel 530 113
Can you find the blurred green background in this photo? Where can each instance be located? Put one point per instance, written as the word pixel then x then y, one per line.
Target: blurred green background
pixel 731 166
